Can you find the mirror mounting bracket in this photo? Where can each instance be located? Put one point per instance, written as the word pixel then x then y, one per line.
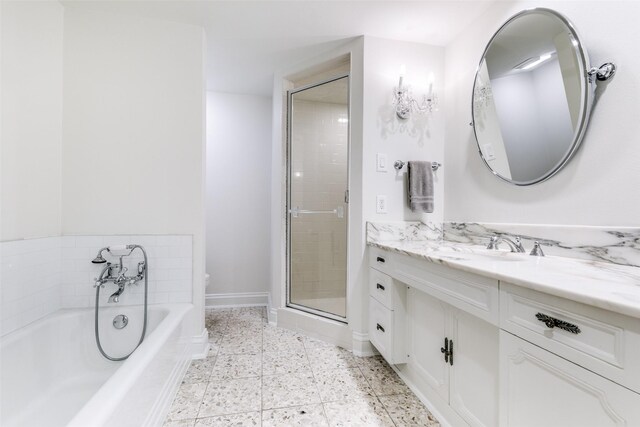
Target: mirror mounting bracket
pixel 603 73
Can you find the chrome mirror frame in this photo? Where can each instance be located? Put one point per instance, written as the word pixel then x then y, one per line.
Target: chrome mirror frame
pixel 590 76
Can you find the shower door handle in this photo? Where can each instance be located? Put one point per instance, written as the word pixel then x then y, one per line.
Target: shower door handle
pixel 296 211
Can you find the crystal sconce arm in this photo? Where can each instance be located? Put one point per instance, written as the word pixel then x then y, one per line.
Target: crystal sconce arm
pixel 404 102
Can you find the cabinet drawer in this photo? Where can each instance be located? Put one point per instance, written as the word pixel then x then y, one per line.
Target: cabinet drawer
pixel 381 287
pixel 604 342
pixel 380 260
pixel 469 292
pixel 538 388
pixel 381 327
pixel 387 330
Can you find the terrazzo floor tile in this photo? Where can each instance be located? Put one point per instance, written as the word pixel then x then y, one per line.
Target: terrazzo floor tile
pixel 371 361
pixel 180 423
pixel 241 344
pixel 310 343
pixel 187 401
pixel 342 384
pixel 214 349
pixel 275 340
pixel 261 374
pixel 384 380
pixel 247 419
pixel 285 363
pixel 306 415
pixel 228 366
pixel 407 410
pixel 357 413
pixel 215 335
pixel 231 396
pixel 199 371
pixel 289 390
pixel 323 358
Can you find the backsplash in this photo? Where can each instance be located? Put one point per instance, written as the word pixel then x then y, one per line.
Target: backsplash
pixel 402 230
pixel 616 245
pixel 40 276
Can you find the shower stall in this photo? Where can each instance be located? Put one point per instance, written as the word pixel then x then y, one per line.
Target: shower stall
pixel 318 197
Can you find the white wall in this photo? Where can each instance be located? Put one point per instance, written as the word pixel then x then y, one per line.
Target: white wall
pixel 418 138
pixel 133 131
pixel 238 192
pixel 31 128
pixel 598 186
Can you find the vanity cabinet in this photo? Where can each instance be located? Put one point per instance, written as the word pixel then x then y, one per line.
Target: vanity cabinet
pixel 453 352
pixel 456 354
pixel 489 353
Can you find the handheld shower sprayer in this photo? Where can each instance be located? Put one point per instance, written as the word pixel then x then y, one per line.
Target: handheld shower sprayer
pixel 99 259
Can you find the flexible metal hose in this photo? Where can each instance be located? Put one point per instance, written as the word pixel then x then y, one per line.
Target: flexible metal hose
pixel 144 326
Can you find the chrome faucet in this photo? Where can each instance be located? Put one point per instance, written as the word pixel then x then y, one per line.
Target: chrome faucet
pixel 514 246
pixel 115 297
pixel 116 274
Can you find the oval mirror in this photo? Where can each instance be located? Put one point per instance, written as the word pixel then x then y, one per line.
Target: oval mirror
pixel 531 97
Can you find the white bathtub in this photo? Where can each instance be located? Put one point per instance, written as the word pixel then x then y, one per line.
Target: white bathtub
pixel 53 374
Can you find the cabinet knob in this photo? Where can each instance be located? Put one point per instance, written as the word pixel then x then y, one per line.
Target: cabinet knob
pixel 379 286
pixel 379 327
pixel 380 259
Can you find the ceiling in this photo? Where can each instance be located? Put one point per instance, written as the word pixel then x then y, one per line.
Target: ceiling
pixel 248 40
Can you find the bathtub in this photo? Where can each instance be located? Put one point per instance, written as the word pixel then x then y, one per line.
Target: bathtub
pixel 53 374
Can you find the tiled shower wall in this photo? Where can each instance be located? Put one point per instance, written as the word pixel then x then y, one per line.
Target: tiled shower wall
pixel 40 276
pixel 319 180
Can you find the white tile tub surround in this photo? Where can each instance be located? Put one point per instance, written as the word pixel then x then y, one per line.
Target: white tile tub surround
pixel 30 273
pixel 40 276
pixel 170 269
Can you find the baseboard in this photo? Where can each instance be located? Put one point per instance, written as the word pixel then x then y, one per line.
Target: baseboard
pixel 273 316
pixel 200 345
pixel 240 299
pixel 361 346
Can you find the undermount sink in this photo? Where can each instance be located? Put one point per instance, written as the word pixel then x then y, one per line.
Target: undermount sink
pixel 502 254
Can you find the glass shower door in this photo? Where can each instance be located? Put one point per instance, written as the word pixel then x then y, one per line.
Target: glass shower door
pixel 318 198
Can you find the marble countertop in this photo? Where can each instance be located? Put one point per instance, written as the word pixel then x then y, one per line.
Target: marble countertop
pixel 604 285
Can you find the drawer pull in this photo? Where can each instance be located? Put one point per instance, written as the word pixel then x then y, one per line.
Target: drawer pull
pixel 379 327
pixel 380 259
pixel 552 322
pixel 379 286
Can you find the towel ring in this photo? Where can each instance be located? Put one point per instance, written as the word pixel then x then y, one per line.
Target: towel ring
pixel 399 164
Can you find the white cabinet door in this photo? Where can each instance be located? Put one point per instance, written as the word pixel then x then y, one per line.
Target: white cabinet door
pixel 428 325
pixel 538 388
pixel 474 373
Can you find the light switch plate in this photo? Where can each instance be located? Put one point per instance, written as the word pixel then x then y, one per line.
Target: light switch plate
pixel 382 162
pixel 381 204
pixel 489 153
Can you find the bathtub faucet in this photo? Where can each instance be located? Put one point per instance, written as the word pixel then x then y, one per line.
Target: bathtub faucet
pixel 115 297
pixel 116 274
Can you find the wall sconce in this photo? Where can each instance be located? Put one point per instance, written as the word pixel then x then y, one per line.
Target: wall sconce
pixel 406 104
pixel 482 95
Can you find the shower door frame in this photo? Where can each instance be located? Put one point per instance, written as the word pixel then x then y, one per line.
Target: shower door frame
pixel 290 304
